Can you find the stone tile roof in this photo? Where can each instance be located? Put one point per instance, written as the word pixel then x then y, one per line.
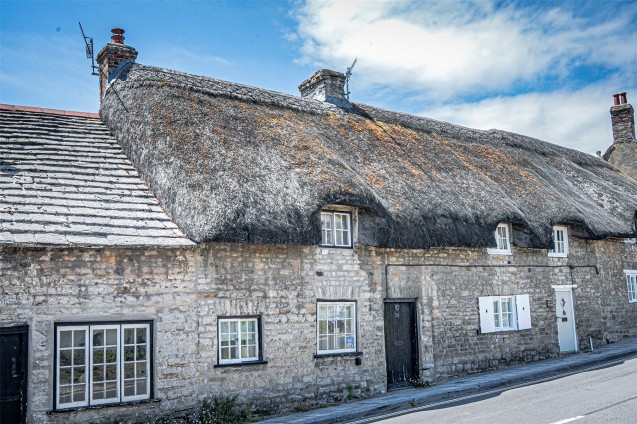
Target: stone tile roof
pixel 65 181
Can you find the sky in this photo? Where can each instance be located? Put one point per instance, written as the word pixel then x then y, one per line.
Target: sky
pixel 544 68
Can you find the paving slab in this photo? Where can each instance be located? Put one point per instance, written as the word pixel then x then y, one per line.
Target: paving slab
pixel 407 398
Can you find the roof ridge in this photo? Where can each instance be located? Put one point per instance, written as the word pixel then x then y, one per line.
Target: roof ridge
pixel 4 106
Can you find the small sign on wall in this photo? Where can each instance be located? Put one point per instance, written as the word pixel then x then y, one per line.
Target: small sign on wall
pixel 550 303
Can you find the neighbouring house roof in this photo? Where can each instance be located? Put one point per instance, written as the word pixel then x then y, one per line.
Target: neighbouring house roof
pixel 241 164
pixel 65 181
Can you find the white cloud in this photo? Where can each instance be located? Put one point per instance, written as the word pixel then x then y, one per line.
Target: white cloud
pixel 579 120
pixel 443 48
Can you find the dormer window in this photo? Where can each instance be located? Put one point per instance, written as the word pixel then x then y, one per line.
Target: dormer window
pixel 503 241
pixel 560 242
pixel 336 229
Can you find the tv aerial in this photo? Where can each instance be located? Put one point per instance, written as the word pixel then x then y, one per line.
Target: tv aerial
pixel 348 75
pixel 89 50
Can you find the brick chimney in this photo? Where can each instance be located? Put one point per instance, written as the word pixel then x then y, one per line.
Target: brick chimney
pixel 326 86
pixel 623 119
pixel 111 56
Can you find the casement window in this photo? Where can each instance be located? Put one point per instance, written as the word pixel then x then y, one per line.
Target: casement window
pixel 502 240
pixel 631 281
pixel 504 313
pixel 336 229
pixel 560 242
pixel 336 327
pixel 239 340
pixel 102 363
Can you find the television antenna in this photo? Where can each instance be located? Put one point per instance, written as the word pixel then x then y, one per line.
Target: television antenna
pixel 348 75
pixel 89 50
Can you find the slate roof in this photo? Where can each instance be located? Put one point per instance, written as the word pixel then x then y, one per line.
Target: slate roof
pixel 240 164
pixel 64 181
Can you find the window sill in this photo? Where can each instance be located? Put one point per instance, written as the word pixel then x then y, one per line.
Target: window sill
pixel 329 246
pixel 499 252
pixel 558 255
pixel 329 355
pixel 102 406
pixel 240 364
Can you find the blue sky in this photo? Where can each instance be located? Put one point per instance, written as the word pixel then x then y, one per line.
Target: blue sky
pixel 547 69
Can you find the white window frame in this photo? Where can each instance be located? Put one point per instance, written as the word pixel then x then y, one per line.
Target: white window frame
pixel 503 243
pixel 631 283
pixel 334 319
pixel 89 360
pixel 257 341
pixel 560 249
pixel 330 216
pixel 520 315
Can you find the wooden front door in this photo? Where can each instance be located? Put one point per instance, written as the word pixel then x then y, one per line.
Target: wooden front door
pixel 401 343
pixel 13 375
pixel 566 332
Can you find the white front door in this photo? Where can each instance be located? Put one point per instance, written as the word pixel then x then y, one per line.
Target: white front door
pixel 565 320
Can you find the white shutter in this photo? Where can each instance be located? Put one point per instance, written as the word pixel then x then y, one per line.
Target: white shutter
pixel 487 325
pixel 524 311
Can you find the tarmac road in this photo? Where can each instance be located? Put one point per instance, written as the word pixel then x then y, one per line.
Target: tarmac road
pixel 604 395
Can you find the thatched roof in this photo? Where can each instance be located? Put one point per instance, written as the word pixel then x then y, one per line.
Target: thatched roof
pixel 64 181
pixel 240 164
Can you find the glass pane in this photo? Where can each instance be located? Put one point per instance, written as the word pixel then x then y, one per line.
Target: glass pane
pixel 98 391
pixel 65 394
pixel 111 390
pixel 98 356
pixel 141 353
pixel 234 352
pixel 111 372
pixel 252 325
pixel 223 328
pixel 78 393
pixel 322 312
pixel 129 388
pixel 244 352
pixel 66 338
pixel 141 387
pixel 244 326
pixel 65 358
pixel 98 373
pixel 225 353
pixel 232 326
pixel 129 336
pixel 98 338
pixel 141 336
pixel 252 352
pixel 340 342
pixel 78 338
pixel 78 374
pixel 129 370
pixel 111 355
pixel 323 343
pixel 111 337
pixel 141 369
pixel 129 353
pixel 79 357
pixel 65 376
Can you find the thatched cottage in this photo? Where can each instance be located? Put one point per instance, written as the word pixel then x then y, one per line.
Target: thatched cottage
pixel 201 237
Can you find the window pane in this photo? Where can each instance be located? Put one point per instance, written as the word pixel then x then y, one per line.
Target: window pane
pixel 66 338
pixel 98 338
pixel 141 387
pixel 129 336
pixel 65 376
pixel 79 338
pixel 65 358
pixel 111 390
pixel 79 393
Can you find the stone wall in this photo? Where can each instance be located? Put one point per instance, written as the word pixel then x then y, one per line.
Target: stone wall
pixel 184 291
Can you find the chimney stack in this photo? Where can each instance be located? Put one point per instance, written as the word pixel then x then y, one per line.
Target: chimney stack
pixel 326 86
pixel 623 119
pixel 111 56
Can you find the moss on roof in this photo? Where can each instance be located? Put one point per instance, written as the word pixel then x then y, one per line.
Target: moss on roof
pixel 241 164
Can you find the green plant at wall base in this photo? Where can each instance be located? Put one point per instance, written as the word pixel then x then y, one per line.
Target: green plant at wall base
pixel 418 383
pixel 222 410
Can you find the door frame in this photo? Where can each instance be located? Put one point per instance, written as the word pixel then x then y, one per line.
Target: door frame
pixel 24 331
pixel 568 288
pixel 415 329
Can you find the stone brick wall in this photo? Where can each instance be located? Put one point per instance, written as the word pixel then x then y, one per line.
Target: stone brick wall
pixel 184 291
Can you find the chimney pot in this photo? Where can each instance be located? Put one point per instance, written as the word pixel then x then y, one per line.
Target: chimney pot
pixel 118 36
pixel 616 99
pixel 622 98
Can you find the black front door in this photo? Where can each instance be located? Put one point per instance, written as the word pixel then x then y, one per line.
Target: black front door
pixel 401 343
pixel 13 375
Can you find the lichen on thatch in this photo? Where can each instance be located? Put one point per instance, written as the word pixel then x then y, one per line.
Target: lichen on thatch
pixel 240 164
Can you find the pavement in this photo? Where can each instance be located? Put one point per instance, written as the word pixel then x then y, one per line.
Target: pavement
pixel 462 386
